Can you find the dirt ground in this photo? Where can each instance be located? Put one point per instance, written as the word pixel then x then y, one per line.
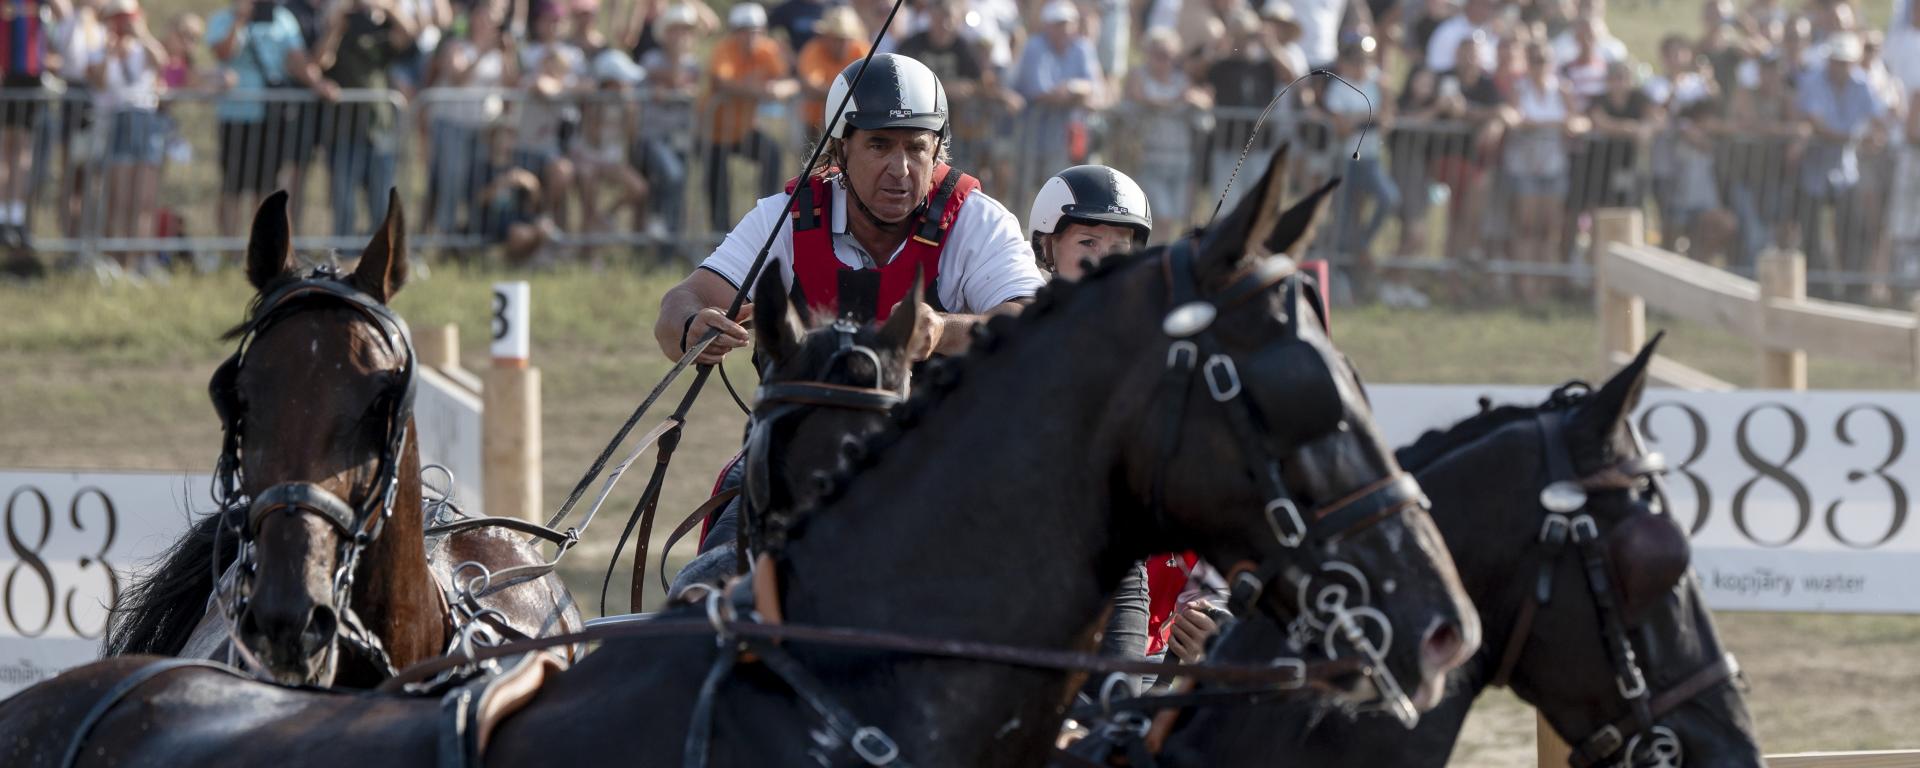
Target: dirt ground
pixel 115 377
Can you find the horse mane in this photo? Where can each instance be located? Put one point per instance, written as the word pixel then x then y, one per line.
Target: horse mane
pixel 941 377
pixel 1437 443
pixel 158 613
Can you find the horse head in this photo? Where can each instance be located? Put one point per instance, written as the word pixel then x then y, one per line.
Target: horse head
pixel 316 406
pixel 824 391
pixel 1619 653
pixel 1247 437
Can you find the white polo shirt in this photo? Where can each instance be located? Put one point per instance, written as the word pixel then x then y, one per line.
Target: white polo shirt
pixel 987 260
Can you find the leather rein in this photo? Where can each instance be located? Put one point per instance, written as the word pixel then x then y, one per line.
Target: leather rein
pixel 1567 521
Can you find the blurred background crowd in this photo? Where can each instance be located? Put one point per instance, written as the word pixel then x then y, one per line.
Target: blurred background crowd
pixel 1472 135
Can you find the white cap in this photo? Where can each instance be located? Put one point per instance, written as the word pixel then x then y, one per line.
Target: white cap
pixel 1846 47
pixel 747 16
pixel 615 65
pixel 679 13
pixel 1058 11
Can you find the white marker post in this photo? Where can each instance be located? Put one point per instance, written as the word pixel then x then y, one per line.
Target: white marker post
pixel 511 422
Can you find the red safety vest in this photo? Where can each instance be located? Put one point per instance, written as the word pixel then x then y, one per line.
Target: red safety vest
pixel 816 270
pixel 1166 579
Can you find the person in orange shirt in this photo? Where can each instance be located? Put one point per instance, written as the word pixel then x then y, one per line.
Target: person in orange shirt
pixel 839 39
pixel 749 68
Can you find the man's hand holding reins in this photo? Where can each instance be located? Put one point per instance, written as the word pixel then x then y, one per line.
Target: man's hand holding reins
pixel 694 307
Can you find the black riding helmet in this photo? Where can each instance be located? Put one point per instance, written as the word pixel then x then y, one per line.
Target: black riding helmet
pixel 1091 194
pixel 898 92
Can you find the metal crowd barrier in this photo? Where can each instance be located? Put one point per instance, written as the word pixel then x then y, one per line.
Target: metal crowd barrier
pixel 87 181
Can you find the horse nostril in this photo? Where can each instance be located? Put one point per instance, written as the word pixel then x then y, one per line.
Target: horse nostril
pixel 319 633
pixel 1442 646
pixel 248 628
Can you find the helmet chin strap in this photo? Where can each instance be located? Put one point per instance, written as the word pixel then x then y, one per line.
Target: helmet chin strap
pixel 892 228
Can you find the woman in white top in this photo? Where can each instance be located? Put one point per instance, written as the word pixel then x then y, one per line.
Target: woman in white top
pixel 125 76
pixel 1534 162
pixel 608 121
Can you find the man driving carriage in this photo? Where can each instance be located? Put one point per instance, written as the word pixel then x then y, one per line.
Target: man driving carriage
pixel 885 188
pixel 884 203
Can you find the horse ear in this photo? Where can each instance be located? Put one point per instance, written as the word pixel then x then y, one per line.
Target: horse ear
pixel 1603 412
pixel 776 328
pixel 1294 231
pixel 1226 245
pixel 903 325
pixel 383 265
pixel 270 247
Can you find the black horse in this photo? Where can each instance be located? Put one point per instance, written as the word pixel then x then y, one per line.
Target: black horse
pixel 1487 476
pixel 1004 511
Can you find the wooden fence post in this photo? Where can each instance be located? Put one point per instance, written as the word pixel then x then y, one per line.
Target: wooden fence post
pixel 1782 275
pixel 511 421
pixel 438 346
pixel 1623 317
pixel 1552 752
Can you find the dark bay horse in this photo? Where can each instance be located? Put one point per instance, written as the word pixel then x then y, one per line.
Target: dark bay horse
pixel 824 391
pixel 1019 487
pixel 1487 477
pixel 337 582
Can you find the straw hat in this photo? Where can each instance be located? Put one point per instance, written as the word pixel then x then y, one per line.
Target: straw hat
pixel 840 21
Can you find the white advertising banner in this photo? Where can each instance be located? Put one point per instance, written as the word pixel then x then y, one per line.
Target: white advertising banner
pixel 72 540
pixel 1796 501
pixel 448 416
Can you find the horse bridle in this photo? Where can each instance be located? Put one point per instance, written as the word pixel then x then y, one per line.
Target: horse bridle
pixel 1565 500
pixel 1192 349
pixel 357 526
pixel 779 402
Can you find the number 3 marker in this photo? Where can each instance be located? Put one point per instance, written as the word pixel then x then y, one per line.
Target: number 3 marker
pixel 510 338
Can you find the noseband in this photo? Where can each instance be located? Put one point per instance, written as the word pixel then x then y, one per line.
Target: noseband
pixel 1192 349
pixel 1565 500
pixel 356 526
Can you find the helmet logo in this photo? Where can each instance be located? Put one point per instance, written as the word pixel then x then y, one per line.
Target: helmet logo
pixel 1117 208
pixel 899 113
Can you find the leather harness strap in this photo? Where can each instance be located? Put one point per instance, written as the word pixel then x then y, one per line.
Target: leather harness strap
pixel 1380 500
pixel 1611 737
pixel 667 434
pixel 700 514
pixel 879 641
pixel 302 498
pixel 829 395
pixel 120 690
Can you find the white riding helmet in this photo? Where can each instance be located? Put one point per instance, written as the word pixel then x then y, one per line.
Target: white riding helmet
pixel 1091 194
pixel 899 92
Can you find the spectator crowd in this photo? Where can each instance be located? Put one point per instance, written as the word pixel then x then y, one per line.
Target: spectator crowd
pixel 1488 130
